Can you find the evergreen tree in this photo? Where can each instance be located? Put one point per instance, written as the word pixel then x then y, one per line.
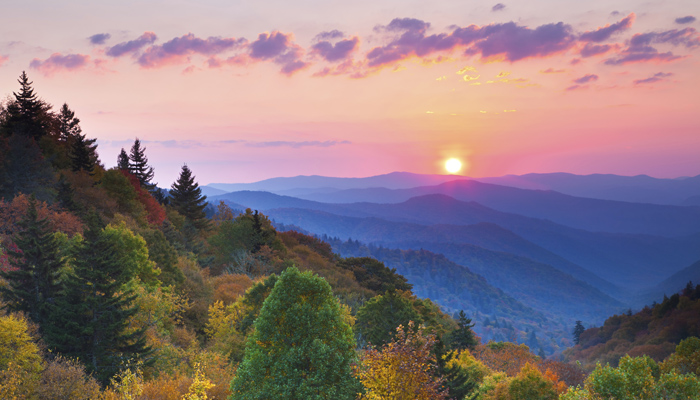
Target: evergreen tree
pixel 463 337
pixel 68 124
pixel 123 161
pixel 578 330
pixel 91 319
pixel 188 200
pixel 379 317
pixel 26 114
pixel 456 380
pixel 33 285
pixel 23 169
pixel 138 166
pixel 301 348
pixel 83 154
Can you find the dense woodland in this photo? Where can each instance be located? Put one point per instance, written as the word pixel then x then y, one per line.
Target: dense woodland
pixel 113 288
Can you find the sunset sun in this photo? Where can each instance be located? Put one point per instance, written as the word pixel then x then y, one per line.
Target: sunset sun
pixel 453 165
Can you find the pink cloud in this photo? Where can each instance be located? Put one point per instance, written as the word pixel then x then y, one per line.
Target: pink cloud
pixel 3 59
pixel 179 49
pixel 586 79
pixel 131 46
pixel 658 77
pixel 604 33
pixel 58 62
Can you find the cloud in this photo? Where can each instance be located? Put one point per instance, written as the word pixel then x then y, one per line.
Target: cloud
pixel 329 35
pixel 296 145
pixel 575 87
pixel 604 33
pixel 660 76
pixel 586 79
pixel 590 49
pixel 465 70
pixel 512 41
pixel 58 62
pixel 685 20
pixel 338 51
pixel 3 59
pixel 179 49
pixel 131 46
pixel 639 47
pixel 99 38
pixel 552 71
pixel 279 48
pixel 498 7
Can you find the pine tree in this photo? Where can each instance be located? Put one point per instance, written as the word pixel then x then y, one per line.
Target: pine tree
pixel 187 199
pixel 91 319
pixel 123 161
pixel 68 124
pixel 26 114
pixel 33 285
pixel 83 154
pixel 138 166
pixel 578 330
pixel 302 346
pixel 463 337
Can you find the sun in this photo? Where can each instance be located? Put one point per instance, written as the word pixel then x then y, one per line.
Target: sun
pixel 453 165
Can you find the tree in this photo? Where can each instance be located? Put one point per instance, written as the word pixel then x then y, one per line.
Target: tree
pixel 402 369
pixel 33 284
pixel 83 154
pixel 379 317
pixel 138 166
pixel 68 124
pixel 91 318
pixel 23 169
pixel 188 200
pixel 302 345
pixel 26 114
pixel 578 330
pixel 123 161
pixel 463 337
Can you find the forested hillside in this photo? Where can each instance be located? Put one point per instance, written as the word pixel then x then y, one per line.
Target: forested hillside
pixel 113 287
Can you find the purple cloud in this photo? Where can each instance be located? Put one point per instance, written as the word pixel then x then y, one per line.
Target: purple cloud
pixel 178 50
pixel 131 46
pixel 685 20
pixel 586 79
pixel 590 49
pixel 279 48
pixel 329 35
pixel 336 52
pixel 498 7
pixel 407 24
pixel 660 76
pixel 604 33
pixel 639 48
pixel 99 38
pixel 575 87
pixel 58 62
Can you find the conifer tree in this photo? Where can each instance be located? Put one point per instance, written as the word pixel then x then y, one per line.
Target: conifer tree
pixel 91 319
pixel 33 285
pixel 23 169
pixel 302 346
pixel 187 199
pixel 26 112
pixel 138 166
pixel 68 124
pixel 463 337
pixel 83 153
pixel 578 330
pixel 123 161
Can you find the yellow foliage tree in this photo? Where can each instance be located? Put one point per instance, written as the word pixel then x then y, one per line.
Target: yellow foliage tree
pixel 402 369
pixel 199 386
pixel 16 346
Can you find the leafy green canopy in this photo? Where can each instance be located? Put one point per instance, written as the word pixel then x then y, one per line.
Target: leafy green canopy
pixel 302 346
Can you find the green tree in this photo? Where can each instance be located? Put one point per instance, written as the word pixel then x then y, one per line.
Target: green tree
pixel 33 285
pixel 374 275
pixel 138 166
pixel 302 346
pixel 187 199
pixel 578 330
pixel 379 317
pixel 83 154
pixel 91 318
pixel 463 337
pixel 123 161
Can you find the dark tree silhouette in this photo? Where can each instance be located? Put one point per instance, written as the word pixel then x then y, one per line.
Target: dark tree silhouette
pixel 578 330
pixel 138 166
pixel 123 161
pixel 188 200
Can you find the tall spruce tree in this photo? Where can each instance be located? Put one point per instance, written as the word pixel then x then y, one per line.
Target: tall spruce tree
pixel 83 153
pixel 26 114
pixel 68 124
pixel 91 319
pixel 188 200
pixel 578 330
pixel 33 286
pixel 463 337
pixel 138 166
pixel 123 161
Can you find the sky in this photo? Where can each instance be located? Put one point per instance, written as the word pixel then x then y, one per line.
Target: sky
pixel 244 90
